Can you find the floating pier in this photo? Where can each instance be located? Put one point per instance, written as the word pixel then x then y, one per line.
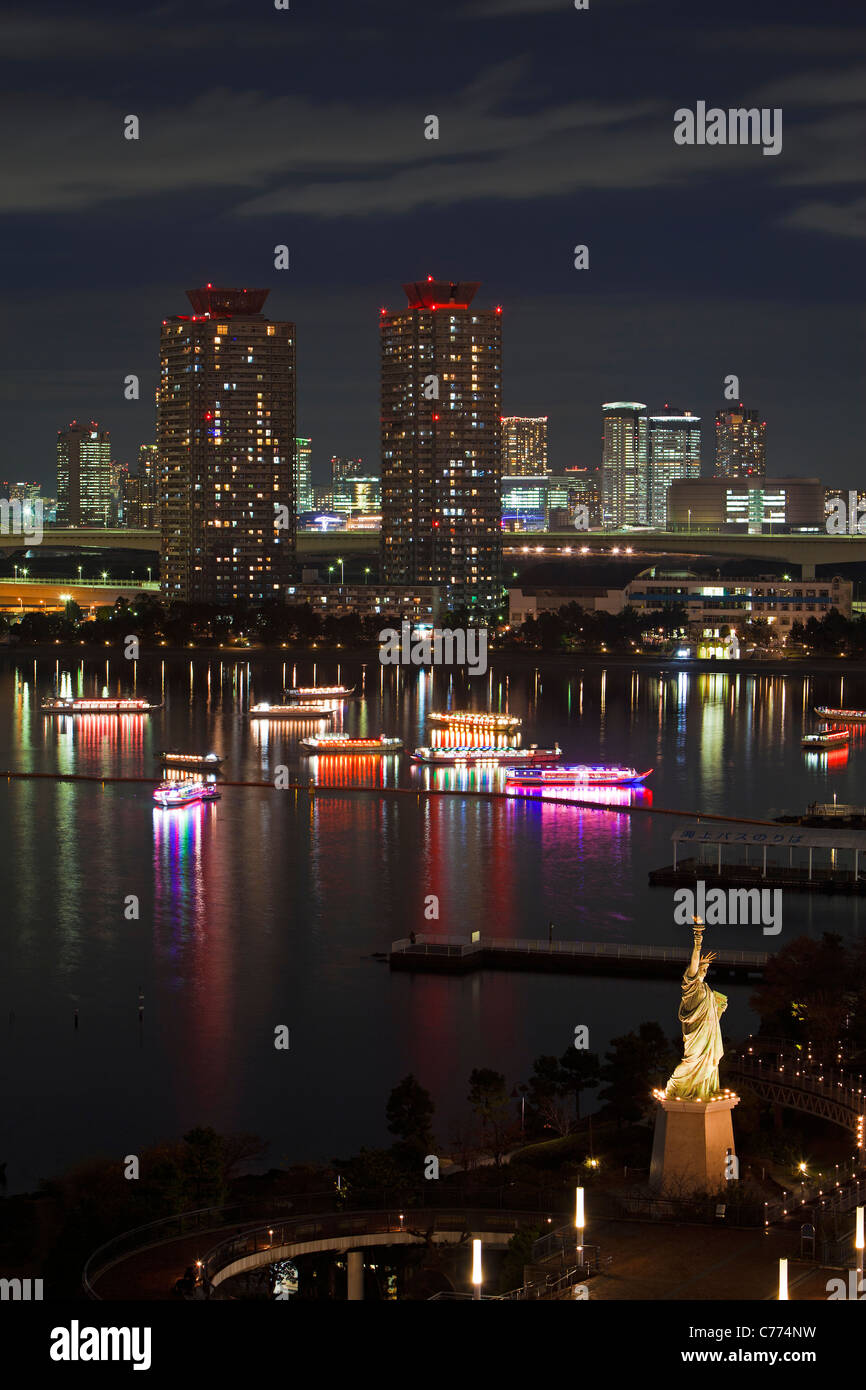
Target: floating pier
pixel 458 955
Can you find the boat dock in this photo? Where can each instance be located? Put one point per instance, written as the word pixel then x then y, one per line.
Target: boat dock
pixel 801 858
pixel 458 955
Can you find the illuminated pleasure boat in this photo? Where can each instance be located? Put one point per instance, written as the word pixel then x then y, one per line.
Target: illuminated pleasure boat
pixel 826 738
pixel 576 775
pixel 842 716
pixel 345 744
pixel 108 704
pixel 320 692
pixel 169 795
pixel 266 711
pixel 472 719
pixel 482 753
pixel 204 760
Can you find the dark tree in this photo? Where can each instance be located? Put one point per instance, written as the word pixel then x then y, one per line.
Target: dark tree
pixel 409 1112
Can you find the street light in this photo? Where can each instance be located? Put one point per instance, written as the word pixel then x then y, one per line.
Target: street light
pixel 476 1268
pixel 340 563
pixel 366 572
pixel 148 573
pixel 579 1221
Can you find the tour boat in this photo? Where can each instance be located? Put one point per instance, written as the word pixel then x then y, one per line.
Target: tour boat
pixel 475 720
pixel 266 711
pixel 105 704
pixel 345 743
pixel 449 757
pixel 320 692
pixel 172 794
pixel 576 775
pixel 204 760
pixel 842 716
pixel 826 738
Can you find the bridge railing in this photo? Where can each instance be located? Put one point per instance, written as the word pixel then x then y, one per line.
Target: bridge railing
pixel 351 1227
pixel 791 1072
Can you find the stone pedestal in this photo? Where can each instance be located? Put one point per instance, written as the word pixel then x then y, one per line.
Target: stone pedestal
pixel 692 1140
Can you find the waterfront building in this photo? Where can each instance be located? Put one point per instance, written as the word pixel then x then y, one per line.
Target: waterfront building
pixel 524 445
pixel 624 464
pixel 441 366
pixel 528 602
pixel 721 600
pixel 524 503
pixel 674 453
pixel 740 443
pixel 84 481
pixel 226 439
pixel 418 602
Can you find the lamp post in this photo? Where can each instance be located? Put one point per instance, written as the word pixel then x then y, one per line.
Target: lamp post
pixel 476 1268
pixel 340 563
pixel 366 574
pixel 579 1221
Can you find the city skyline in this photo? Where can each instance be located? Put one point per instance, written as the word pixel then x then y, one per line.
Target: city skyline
pixel 726 262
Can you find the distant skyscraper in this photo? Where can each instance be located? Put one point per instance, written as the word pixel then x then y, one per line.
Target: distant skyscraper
pixel 625 464
pixel 524 445
pixel 740 448
pixel 674 453
pixel 441 443
pixel 83 475
pixel 342 468
pixel 303 480
pixel 226 440
pixel 148 472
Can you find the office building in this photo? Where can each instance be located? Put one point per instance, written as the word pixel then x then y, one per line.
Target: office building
pixel 751 505
pixel 441 443
pixel 524 445
pixel 84 480
pixel 740 444
pixel 357 496
pixel 226 442
pixel 624 464
pixel 674 453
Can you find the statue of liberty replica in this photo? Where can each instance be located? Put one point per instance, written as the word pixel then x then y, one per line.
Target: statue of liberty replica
pixel 693 1147
pixel 697 1076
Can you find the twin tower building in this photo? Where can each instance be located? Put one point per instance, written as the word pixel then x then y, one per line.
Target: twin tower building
pixel 226 439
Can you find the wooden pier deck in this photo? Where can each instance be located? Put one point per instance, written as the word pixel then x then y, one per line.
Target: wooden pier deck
pixel 458 955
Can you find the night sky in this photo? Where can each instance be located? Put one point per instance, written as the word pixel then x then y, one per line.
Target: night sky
pixel 306 127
